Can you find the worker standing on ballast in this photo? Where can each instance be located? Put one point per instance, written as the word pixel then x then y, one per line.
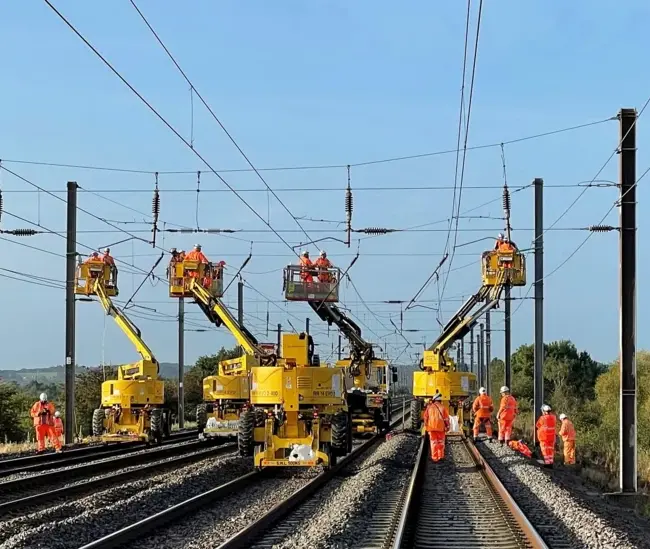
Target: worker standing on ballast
pixel 506 415
pixel 546 434
pixel 58 425
pixel 42 413
pixel 483 408
pixel 323 265
pixel 568 435
pixel 436 423
pixel 306 267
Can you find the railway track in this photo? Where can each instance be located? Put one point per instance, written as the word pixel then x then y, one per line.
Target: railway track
pixel 78 472
pixel 137 531
pixel 42 499
pixel 41 462
pixel 456 503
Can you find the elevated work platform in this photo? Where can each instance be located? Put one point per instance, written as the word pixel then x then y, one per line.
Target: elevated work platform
pixel 314 284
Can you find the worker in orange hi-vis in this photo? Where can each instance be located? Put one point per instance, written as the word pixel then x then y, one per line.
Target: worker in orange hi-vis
pixel 323 265
pixel 42 413
pixel 107 258
pixel 93 258
pixel 58 425
pixel 506 415
pixel 521 447
pixel 546 434
pixel 195 255
pixel 568 435
pixel 482 408
pixel 306 267
pixel 436 423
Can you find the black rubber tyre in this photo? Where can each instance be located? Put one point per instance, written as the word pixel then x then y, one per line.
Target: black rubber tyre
pixel 245 438
pixel 167 424
pixel 201 417
pixel 416 410
pixel 98 422
pixel 340 428
pixel 331 454
pixel 260 418
pixel 156 425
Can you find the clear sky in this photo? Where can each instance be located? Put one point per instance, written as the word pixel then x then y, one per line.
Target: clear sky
pixel 316 83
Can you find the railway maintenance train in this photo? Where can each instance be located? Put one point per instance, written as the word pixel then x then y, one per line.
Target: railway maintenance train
pixel 131 405
pixel 439 372
pixel 368 396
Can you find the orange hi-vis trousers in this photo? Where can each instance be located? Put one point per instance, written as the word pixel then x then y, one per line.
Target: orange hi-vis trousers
pixel 569 452
pixel 505 429
pixel 437 442
pixel 548 450
pixel 43 431
pixel 485 421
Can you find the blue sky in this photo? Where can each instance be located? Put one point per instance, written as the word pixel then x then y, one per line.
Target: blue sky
pixel 316 83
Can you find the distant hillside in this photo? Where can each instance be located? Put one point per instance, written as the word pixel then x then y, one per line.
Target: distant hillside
pixel 56 374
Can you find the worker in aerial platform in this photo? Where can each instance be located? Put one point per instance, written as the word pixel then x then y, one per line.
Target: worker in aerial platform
pixel 93 258
pixel 323 265
pixel 568 435
pixel 195 255
pixel 546 434
pixel 42 413
pixel 483 408
pixel 506 415
pixel 306 267
pixel 436 423
pixel 107 258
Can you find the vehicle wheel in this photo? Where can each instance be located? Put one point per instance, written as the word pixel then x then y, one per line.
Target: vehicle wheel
pixel 98 422
pixel 201 417
pixel 260 418
pixel 416 410
pixel 331 454
pixel 167 424
pixel 245 438
pixel 156 427
pixel 340 428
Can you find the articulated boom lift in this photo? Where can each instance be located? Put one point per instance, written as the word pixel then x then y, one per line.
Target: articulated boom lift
pixel 439 371
pixel 227 394
pixel 368 399
pixel 132 404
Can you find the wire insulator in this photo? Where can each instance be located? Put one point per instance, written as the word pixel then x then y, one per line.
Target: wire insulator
pixel 155 205
pixel 349 203
pixel 375 230
pixel 23 232
pixel 506 201
pixel 602 228
pixel 1 205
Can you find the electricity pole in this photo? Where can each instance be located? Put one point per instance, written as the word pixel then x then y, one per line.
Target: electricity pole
pixel 462 354
pixel 339 346
pixel 70 268
pixel 628 395
pixel 481 355
pixel 181 363
pixel 279 338
pixel 240 302
pixel 307 326
pixel 538 369
pixel 488 351
pixel 471 349
pixel 507 308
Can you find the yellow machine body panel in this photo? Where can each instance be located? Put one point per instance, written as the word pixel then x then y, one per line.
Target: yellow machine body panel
pixel 427 384
pixel 239 366
pixel 495 270
pixel 132 426
pixel 132 392
pixel 88 273
pixel 181 274
pixel 232 387
pixel 295 349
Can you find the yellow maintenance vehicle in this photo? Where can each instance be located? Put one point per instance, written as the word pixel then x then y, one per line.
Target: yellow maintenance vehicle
pixel 227 394
pixel 368 396
pixel 131 405
pixel 499 268
pixel 303 409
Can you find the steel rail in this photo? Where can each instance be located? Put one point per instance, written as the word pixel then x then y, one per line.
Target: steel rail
pixel 51 458
pixel 46 499
pixel 51 477
pixel 409 513
pixel 245 538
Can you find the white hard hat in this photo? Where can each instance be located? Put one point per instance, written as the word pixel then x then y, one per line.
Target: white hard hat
pixel 322 252
pixel 181 251
pixel 504 389
pixel 437 397
pixel 562 416
pixel 482 391
pixel 197 246
pixel 43 397
pixel 500 236
pixel 305 252
pixel 57 414
pixel 546 408
pixel 106 250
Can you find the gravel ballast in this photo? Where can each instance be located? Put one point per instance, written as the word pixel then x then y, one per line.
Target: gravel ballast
pixel 73 524
pixel 564 519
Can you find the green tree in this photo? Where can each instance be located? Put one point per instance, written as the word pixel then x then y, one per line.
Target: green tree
pixel 88 394
pixel 11 413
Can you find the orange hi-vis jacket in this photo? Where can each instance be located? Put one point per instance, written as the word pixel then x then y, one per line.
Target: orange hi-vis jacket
pixel 507 408
pixel 41 418
pixel 305 262
pixel 483 406
pixel 522 448
pixel 108 259
pixel 195 255
pixel 546 428
pixel 323 263
pixel 436 418
pixel 58 425
pixel 567 430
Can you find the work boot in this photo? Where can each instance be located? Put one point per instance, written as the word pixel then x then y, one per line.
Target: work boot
pixel 502 442
pixel 475 440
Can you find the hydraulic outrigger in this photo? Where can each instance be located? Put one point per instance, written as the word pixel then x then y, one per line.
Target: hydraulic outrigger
pixel 368 397
pixel 132 404
pixel 227 394
pixel 439 371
